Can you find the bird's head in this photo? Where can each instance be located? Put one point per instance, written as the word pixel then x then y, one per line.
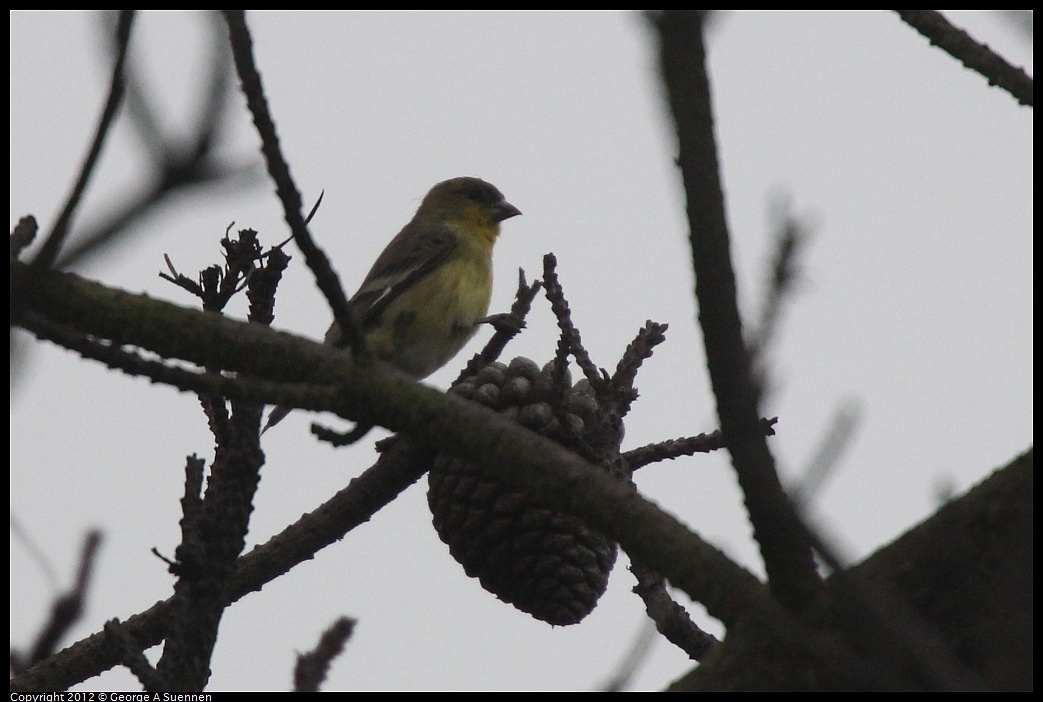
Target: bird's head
pixel 469 200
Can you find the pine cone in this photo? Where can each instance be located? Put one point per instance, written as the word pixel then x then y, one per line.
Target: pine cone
pixel 546 563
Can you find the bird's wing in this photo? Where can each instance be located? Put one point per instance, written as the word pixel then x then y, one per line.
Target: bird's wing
pixel 400 265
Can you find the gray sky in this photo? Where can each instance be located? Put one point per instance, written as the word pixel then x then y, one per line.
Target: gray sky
pixel 915 303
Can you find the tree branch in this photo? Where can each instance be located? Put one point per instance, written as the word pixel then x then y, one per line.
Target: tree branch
pixel 783 543
pixel 977 57
pixel 524 460
pixel 279 169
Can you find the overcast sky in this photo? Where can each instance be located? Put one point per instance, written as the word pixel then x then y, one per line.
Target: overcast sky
pixel 914 309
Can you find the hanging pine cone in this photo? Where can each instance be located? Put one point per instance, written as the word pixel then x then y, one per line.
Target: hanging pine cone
pixel 546 563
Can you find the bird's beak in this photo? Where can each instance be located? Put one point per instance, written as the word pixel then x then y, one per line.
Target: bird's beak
pixel 504 210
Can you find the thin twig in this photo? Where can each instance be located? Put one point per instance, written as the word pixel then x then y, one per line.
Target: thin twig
pixel 638 351
pixel 53 244
pixel 279 170
pixel 66 610
pixel 312 667
pixel 687 446
pixel 671 619
pixel 975 56
pixel 673 448
pixel 827 457
pixel 790 237
pixel 569 332
pixel 177 162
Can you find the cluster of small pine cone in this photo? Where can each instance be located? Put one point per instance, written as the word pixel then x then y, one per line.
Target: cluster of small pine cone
pixel 543 562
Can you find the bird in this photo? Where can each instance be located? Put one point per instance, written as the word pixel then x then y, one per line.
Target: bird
pixel 429 289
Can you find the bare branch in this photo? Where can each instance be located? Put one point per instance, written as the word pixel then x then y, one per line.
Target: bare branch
pixel 53 244
pixel 279 170
pixel 783 543
pixel 312 667
pixel 671 619
pixel 66 610
pixel 977 57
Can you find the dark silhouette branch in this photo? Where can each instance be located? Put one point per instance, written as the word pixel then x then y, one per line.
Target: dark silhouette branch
pixel 66 611
pixel 53 244
pixel 784 545
pixel 523 460
pixel 279 170
pixel 177 164
pixel 313 666
pixel 977 57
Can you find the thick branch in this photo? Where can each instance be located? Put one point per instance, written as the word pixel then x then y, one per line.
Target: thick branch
pixel 524 460
pixel 951 608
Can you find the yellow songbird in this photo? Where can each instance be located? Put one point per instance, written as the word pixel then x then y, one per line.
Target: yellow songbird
pixel 425 295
